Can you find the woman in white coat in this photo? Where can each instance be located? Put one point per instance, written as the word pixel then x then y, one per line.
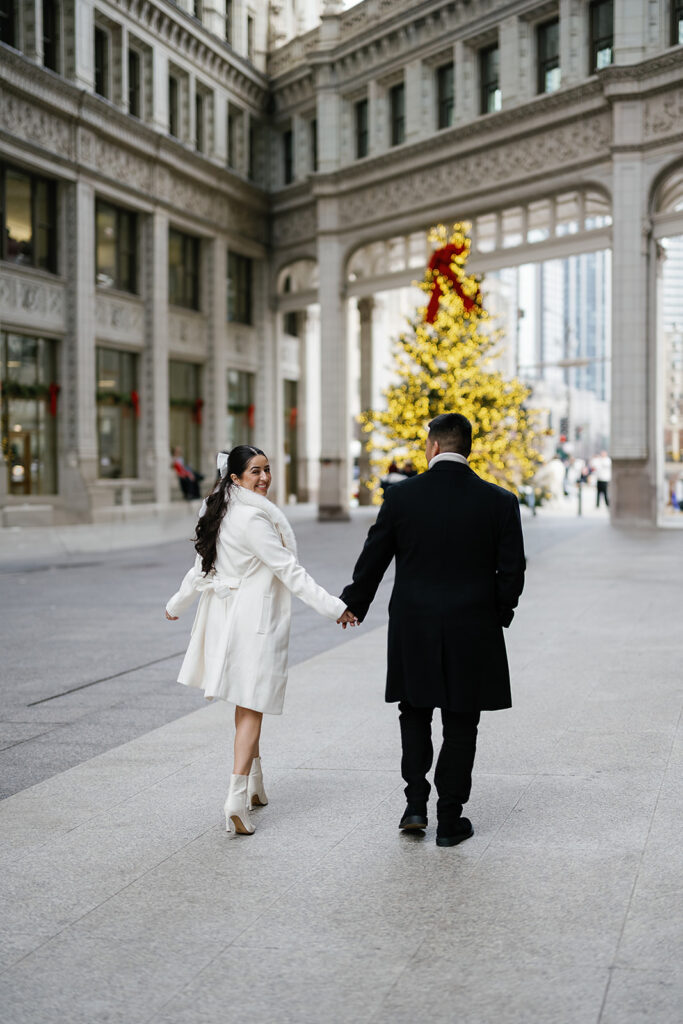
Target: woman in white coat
pixel 245 571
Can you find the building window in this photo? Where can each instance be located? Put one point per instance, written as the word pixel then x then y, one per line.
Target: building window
pixel 28 214
pixel 253 147
pixel 235 137
pixel 445 95
pixel 250 38
pixel 199 122
pixel 397 113
pixel 28 413
pixel 290 323
pixel 491 99
pixel 676 22
pixel 197 9
pixel 118 406
pixel 228 22
pixel 313 140
pixel 360 110
pixel 288 156
pixel 116 247
pixel 51 39
pixel 548 51
pixel 239 283
pixel 173 106
pixel 239 427
pixel 183 270
pixel 134 83
pixel 102 62
pixel 185 412
pixel 8 22
pixel 601 33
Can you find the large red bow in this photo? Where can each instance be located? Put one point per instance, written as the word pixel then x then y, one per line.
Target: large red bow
pixel 53 392
pixel 440 263
pixel 197 411
pixel 135 402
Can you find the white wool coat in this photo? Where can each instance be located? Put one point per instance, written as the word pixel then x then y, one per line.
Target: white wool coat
pixel 239 643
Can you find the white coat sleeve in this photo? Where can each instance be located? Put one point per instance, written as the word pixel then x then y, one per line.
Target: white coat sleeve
pixel 264 541
pixel 184 597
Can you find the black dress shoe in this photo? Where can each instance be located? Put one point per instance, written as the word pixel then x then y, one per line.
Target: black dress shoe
pixel 414 818
pixel 456 834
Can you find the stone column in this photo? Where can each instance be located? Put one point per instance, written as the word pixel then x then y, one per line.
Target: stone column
pixel 215 385
pixel 335 480
pixel 84 45
pixel 79 473
pixel 573 42
pixel 416 122
pixel 630 31
pixel 466 83
pixel 509 43
pixel 159 90
pixel 633 490
pixel 366 308
pixel 155 390
pixel 309 404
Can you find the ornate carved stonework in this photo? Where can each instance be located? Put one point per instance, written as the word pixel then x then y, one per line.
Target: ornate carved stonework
pixel 187 334
pixel 295 225
pixel 119 319
pixel 32 303
pixel 558 148
pixel 21 118
pixel 114 161
pixel 664 114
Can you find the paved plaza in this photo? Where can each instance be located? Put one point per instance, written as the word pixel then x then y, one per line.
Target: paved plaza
pixel 124 901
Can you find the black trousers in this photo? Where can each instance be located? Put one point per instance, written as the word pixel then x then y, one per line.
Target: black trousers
pixel 601 490
pixel 453 774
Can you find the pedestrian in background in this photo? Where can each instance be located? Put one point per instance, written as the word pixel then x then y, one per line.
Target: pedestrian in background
pixel 246 570
pixel 602 467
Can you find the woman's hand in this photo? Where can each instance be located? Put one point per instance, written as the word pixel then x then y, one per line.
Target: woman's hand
pixel 171 618
pixel 347 618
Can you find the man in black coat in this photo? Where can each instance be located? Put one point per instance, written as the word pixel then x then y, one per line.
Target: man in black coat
pixel 459 552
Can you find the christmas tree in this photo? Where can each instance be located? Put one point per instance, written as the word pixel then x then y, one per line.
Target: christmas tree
pixel 445 362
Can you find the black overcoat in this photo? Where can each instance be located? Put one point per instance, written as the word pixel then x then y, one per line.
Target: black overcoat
pixel 459 552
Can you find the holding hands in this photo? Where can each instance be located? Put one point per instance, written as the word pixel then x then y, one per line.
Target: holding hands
pixel 347 619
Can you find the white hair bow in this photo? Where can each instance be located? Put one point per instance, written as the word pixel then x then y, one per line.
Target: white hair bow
pixel 222 463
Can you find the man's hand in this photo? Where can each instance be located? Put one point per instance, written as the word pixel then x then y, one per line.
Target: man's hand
pixel 347 619
pixel 172 618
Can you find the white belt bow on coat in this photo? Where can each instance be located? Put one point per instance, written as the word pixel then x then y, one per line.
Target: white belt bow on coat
pixel 222 586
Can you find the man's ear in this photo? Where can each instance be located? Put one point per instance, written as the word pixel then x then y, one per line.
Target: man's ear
pixel 436 450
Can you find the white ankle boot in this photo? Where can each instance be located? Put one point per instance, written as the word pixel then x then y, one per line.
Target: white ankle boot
pixel 236 808
pixel 256 794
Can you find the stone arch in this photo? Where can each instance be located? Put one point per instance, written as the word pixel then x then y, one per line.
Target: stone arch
pixel 666 194
pixel 300 275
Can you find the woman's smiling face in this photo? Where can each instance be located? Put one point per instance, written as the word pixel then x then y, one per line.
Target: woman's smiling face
pixel 257 475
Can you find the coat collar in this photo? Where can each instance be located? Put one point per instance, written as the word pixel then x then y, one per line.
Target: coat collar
pixel 276 516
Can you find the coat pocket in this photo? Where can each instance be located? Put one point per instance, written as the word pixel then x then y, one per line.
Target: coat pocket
pixel 264 621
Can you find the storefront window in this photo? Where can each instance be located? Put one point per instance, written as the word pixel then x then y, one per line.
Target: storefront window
pixel 672 379
pixel 186 410
pixel 240 418
pixel 29 221
pixel 28 413
pixel 118 409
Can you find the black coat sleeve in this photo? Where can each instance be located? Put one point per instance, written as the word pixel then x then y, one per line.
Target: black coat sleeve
pixel 510 563
pixel 373 562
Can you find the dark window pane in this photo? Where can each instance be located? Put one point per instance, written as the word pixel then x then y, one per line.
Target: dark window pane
pixel 116 247
pixel 676 22
pixel 173 107
pixel 445 95
pixel 361 117
pixel 116 390
pixel 183 270
pixel 101 63
pixel 8 22
pixel 51 34
pixel 232 149
pixel 397 108
pixel 200 141
pixel 134 84
pixel 18 225
pixel 253 139
pixel 240 418
pixel 239 289
pixel 228 21
pixel 601 33
pixel 45 224
pixel 250 38
pixel 287 156
pixel 491 99
pixel 548 48
pixel 314 144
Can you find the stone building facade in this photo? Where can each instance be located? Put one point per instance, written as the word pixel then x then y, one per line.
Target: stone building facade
pixel 202 200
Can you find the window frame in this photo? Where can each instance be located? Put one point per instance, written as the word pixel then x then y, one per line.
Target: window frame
pixel 488 85
pixel 288 156
pixel 36 181
pixel 676 27
pixel 190 268
pixel 132 285
pixel 121 403
pixel 200 106
pixel 445 103
pixel 56 9
pixel 595 42
pixel 545 64
pixel 174 87
pixel 10 22
pixel 397 114
pixel 228 21
pixel 137 57
pixel 313 143
pixel 251 37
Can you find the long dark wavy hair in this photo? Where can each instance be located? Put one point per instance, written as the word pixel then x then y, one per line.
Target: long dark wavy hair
pixel 208 525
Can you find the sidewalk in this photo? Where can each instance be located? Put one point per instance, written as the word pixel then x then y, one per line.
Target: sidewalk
pixel 126 901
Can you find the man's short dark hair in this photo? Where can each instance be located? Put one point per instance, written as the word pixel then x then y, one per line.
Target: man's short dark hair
pixel 453 432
